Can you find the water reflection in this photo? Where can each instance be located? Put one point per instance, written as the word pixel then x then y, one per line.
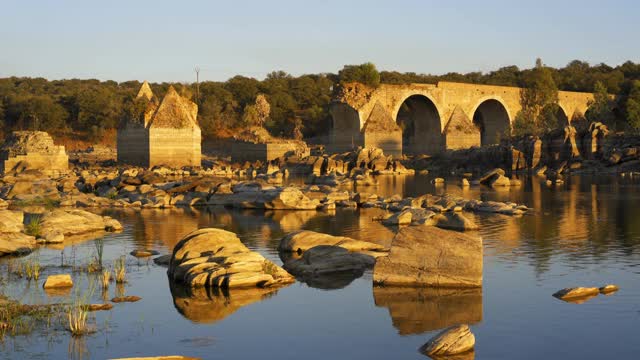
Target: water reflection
pixel 208 305
pixel 418 310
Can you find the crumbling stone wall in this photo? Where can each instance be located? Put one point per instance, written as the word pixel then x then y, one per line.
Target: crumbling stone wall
pixel 32 150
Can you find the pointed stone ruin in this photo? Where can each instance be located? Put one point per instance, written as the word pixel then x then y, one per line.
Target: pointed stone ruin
pixel 168 134
pixel 381 131
pixel 460 132
pixel 32 150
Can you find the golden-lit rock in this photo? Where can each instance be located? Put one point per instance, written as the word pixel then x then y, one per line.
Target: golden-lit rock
pixel 576 294
pixel 608 289
pixel 453 341
pixel 429 256
pixel 58 281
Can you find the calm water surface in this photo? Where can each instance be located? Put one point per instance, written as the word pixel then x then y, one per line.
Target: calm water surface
pixel 586 233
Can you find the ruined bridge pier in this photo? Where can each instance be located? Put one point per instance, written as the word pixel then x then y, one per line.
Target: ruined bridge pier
pixel 428 119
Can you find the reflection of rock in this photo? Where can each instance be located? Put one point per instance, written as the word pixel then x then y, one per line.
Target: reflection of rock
pixel 217 258
pixel 418 310
pixel 207 305
pixel 429 256
pixel 329 267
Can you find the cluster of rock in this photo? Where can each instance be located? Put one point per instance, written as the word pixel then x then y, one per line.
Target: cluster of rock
pixel 372 159
pixel 50 227
pixel 566 149
pixel 579 295
pixel 32 150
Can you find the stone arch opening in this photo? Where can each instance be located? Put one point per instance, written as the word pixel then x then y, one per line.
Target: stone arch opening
pixel 556 115
pixel 492 119
pixel 421 126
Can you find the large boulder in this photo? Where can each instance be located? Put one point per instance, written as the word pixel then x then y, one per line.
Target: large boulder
pixel 71 222
pixel 326 259
pixel 11 221
pixel 218 259
pixel 304 240
pixel 16 243
pixel 453 221
pixel 429 256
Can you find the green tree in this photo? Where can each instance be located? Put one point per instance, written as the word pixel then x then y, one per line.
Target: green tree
pixel 601 108
pixel 364 73
pixel 539 99
pixel 632 106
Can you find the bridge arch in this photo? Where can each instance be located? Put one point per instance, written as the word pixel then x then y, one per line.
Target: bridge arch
pixel 493 120
pixel 420 120
pixel 559 113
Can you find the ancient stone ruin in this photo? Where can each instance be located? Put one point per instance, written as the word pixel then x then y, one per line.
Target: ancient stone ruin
pixel 255 143
pixel 32 150
pixel 167 132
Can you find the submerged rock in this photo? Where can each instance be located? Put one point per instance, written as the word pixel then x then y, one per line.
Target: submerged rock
pixel 143 253
pixel 576 293
pixel 452 341
pixel 130 298
pixel 304 240
pixel 429 256
pixel 217 258
pixel 608 289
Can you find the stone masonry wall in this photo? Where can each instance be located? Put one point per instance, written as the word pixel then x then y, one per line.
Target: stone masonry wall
pixel 133 146
pixel 174 147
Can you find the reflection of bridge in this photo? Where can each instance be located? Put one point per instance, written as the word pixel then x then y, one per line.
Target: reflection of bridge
pixel 433 118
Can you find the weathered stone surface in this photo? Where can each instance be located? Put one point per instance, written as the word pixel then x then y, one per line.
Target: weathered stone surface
pixel 16 243
pixel 454 221
pixel 32 150
pixel 72 222
pixel 418 310
pixel 452 341
pixel 11 221
pixel 304 240
pixel 429 256
pixel 218 259
pixel 327 259
pixel 576 293
pixel 58 281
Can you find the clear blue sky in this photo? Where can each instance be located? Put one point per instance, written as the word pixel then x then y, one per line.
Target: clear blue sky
pixel 162 41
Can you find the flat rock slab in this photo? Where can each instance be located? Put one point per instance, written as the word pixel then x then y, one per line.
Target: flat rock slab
pixel 121 299
pixel 58 281
pixel 429 256
pixel 143 253
pixel 453 341
pixel 304 240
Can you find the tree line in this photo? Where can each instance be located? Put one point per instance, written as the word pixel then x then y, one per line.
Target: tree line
pixel 299 105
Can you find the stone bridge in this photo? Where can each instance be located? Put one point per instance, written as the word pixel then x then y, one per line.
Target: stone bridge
pixel 427 118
